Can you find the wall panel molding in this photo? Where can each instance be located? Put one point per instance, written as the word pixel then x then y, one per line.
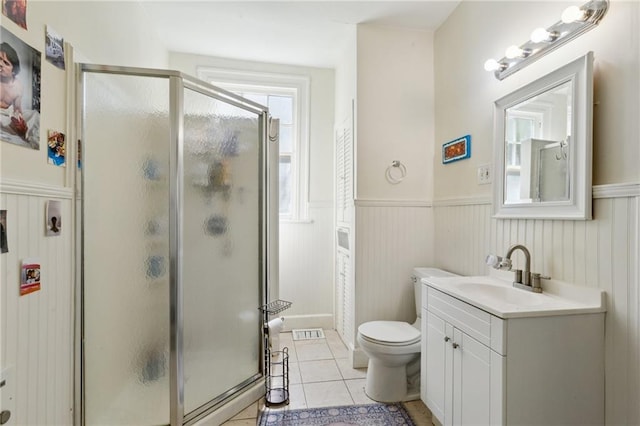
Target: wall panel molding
pixel 390 242
pixel 37 338
pixel 600 253
pixel 462 201
pixel 18 187
pixel 392 203
pixel 616 190
pixel 306 264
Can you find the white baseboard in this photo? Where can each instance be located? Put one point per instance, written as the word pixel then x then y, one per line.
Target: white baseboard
pixel 233 407
pixel 324 321
pixel 358 358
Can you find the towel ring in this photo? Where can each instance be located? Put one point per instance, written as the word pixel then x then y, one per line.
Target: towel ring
pixel 399 177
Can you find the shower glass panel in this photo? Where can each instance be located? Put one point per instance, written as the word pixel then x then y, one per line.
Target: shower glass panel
pixel 126 250
pixel 221 252
pixel 173 258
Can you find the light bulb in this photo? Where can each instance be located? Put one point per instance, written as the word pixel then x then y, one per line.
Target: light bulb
pixel 572 14
pixel 513 52
pixel 492 65
pixel 540 34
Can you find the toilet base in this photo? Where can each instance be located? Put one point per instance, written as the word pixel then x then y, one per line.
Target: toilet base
pixel 388 384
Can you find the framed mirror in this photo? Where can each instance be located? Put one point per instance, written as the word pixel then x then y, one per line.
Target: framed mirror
pixel 543 146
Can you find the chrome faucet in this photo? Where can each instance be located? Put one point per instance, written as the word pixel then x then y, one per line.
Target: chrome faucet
pixel 520 278
pixel 525 280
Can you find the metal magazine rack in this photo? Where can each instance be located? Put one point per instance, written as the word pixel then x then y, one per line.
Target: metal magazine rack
pixel 276 363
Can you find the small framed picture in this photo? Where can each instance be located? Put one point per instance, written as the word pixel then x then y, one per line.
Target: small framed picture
pixel 457 149
pixel 4 247
pixel 53 216
pixel 57 148
pixel 30 276
pixel 20 118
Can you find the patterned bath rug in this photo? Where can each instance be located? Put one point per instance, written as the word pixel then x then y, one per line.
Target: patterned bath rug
pixel 348 415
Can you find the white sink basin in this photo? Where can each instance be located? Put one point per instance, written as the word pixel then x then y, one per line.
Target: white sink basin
pixel 498 296
pixel 502 294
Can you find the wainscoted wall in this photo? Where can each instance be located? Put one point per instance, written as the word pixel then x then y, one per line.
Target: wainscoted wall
pixel 602 253
pixel 306 268
pixel 37 329
pixel 391 239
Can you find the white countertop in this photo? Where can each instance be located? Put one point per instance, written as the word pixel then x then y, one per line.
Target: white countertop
pixel 496 295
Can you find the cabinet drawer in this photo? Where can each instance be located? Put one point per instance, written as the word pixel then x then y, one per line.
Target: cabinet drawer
pixel 477 323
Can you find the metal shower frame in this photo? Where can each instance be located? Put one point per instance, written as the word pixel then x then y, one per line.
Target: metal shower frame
pixel 178 82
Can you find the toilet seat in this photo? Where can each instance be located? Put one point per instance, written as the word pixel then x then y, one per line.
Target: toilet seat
pixel 389 333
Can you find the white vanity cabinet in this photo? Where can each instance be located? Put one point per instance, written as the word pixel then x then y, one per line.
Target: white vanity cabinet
pixel 463 376
pixel 480 369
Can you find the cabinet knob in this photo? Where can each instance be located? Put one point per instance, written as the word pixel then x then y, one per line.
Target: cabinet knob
pixel 455 345
pixel 447 338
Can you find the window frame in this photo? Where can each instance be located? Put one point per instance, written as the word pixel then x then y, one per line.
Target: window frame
pixel 277 84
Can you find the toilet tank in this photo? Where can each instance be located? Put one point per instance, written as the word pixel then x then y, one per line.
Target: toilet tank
pixel 418 274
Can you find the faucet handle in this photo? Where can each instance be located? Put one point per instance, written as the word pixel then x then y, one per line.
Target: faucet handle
pixel 536 275
pixel 498 262
pixel 493 260
pixel 505 264
pixel 535 281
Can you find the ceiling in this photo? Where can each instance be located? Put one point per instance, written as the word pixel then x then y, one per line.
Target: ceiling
pixel 308 33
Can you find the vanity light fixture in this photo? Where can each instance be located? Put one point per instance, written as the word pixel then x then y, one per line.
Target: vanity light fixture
pixel 572 14
pixel 514 51
pixel 540 34
pixel 574 21
pixel 493 65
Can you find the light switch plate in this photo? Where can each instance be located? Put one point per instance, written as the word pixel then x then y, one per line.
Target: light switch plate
pixel 484 174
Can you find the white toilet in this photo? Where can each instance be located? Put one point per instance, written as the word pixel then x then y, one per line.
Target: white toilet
pixel 393 348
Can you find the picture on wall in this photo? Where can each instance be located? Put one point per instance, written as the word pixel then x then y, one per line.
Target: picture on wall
pixel 56 148
pixel 19 91
pixel 457 149
pixel 54 48
pixel 30 276
pixel 4 247
pixel 54 218
pixel 16 10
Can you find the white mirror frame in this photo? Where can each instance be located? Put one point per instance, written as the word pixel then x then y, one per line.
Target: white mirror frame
pixel 578 207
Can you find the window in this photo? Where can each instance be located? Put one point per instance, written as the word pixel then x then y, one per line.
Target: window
pixel 286 97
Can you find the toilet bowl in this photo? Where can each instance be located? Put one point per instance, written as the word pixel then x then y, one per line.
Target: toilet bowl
pixel 393 348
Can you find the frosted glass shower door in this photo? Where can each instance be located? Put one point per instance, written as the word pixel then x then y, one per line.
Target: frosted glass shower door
pixel 125 168
pixel 221 273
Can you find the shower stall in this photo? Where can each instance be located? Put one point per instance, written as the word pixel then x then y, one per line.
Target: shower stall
pixel 173 255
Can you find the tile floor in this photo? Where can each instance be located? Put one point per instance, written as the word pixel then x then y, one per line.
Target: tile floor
pixel 320 375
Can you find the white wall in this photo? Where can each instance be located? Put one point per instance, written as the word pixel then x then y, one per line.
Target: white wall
pixel 346 79
pixel 37 340
pixel 395 112
pixel 465 92
pixel 393 223
pixel 89 27
pixel 306 268
pixel 602 253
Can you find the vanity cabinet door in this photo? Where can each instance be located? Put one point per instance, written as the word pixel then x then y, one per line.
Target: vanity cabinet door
pixel 471 381
pixel 435 366
pixel 463 378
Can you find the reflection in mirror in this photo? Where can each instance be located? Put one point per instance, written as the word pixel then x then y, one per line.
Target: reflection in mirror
pixel 542 146
pixel 537 138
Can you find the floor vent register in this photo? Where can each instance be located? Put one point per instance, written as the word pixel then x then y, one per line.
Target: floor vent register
pixel 308 334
